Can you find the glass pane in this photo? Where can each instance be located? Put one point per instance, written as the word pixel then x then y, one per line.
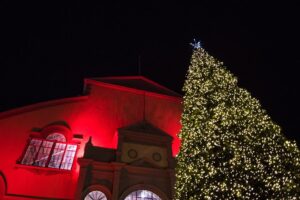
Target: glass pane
pixel 43 154
pixel 57 155
pixel 31 152
pixel 142 195
pixel 69 157
pixel 56 137
pixel 95 195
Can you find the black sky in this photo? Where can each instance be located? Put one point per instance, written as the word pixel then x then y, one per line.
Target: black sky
pixel 48 48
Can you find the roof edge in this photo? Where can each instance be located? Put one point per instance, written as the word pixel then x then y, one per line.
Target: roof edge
pixel 132 90
pixel 40 105
pixel 139 77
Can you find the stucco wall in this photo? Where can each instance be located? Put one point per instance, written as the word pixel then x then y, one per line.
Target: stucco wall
pixel 99 115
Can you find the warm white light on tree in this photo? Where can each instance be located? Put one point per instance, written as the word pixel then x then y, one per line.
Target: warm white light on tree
pixel 230 148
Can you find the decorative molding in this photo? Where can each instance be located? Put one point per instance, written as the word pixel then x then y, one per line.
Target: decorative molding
pixel 41 105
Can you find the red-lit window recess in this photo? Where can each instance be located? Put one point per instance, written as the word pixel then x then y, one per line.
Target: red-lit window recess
pixel 52 152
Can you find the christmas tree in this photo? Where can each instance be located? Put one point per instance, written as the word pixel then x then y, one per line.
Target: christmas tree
pixel 230 147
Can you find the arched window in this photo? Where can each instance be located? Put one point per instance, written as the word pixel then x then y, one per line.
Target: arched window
pixel 142 195
pixel 95 195
pixel 59 137
pixel 52 152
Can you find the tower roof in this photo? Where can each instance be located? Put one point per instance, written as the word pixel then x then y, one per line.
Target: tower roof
pixel 137 82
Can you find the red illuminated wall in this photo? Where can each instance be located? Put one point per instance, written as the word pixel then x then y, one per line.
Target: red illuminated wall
pixel 106 108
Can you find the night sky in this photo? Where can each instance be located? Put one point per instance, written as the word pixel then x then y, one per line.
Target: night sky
pixel 47 48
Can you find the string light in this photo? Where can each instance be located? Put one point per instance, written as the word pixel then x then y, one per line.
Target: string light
pixel 230 148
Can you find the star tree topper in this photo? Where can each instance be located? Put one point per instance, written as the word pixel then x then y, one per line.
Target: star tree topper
pixel 196 44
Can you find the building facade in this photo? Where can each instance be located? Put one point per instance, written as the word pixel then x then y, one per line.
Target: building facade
pixel 116 141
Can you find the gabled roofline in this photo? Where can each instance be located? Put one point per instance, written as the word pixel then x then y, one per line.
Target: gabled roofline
pixel 55 102
pixel 133 90
pixel 41 105
pixel 140 77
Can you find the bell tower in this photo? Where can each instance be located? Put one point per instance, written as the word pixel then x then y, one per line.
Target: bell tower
pixel 141 166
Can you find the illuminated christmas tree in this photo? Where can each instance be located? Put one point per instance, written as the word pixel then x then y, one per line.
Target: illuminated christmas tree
pixel 230 147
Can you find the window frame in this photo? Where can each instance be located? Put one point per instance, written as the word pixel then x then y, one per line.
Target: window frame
pixel 49 155
pixel 152 188
pixel 101 192
pixel 95 187
pixel 39 151
pixel 136 195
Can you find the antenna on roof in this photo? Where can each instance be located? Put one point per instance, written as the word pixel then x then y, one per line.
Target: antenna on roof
pixel 139 65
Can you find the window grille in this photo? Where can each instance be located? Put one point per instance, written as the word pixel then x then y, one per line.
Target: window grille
pixel 31 151
pixel 69 157
pixel 95 195
pixel 142 195
pixel 50 153
pixel 57 137
pixel 57 155
pixel 43 154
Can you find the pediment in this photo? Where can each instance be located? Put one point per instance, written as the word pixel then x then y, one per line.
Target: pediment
pixel 138 83
pixel 146 128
